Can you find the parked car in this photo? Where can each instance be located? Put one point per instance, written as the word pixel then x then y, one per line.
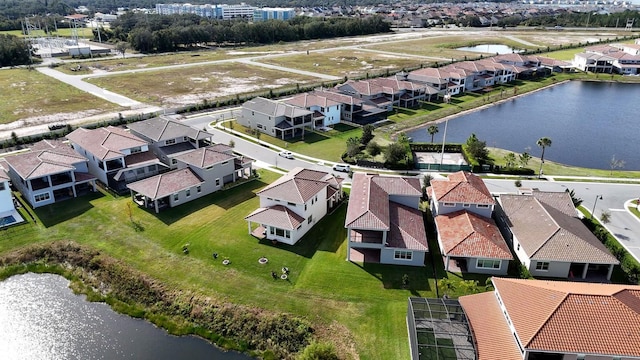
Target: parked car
pixel 342 167
pixel 286 154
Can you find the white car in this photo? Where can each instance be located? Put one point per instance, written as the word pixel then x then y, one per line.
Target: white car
pixel 286 154
pixel 342 167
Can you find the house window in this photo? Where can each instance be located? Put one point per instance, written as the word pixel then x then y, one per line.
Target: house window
pixel 447 204
pixel 542 266
pixel 170 142
pixel 176 197
pixel 488 264
pixel 518 247
pixel 199 189
pixel 188 192
pixel 225 163
pixel 259 126
pixel 287 234
pixel 402 255
pixel 140 171
pixel 291 204
pixel 279 232
pixel 2 187
pixel 136 150
pixel 42 197
pixel 184 138
pixel 466 205
pixel 271 230
pixel 174 161
pixel 217 182
pixel 305 207
pixel 481 206
pixel 310 219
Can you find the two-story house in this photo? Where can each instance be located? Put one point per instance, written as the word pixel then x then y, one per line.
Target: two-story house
pixel 116 156
pixel 469 239
pixel 293 204
pixel 49 172
pixel 199 172
pixel 168 138
pixel 276 119
pixel 330 110
pixel 549 239
pixel 534 319
pixel 384 223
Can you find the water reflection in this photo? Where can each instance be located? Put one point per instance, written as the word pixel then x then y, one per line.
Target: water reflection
pixel 41 318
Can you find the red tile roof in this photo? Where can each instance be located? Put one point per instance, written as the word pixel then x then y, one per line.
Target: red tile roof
pixel 570 317
pixel 466 234
pixel 368 204
pixel 461 187
pixel 493 338
pixel 278 216
pixel 159 186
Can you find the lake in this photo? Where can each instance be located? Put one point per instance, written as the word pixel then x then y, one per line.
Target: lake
pixel 588 123
pixel 41 318
pixel 490 48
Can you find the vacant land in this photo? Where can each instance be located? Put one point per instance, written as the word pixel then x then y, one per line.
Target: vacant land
pixel 37 99
pixel 565 37
pixel 346 62
pixel 83 33
pixel 192 85
pixel 365 304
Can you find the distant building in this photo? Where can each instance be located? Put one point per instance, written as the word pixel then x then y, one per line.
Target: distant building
pixel 221 11
pixel 273 14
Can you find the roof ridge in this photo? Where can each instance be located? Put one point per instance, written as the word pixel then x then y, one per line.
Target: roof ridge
pixel 542 324
pixel 164 128
pixel 155 193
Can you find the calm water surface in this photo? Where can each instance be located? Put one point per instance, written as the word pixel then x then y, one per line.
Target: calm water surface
pixel 41 318
pixel 587 122
pixel 489 48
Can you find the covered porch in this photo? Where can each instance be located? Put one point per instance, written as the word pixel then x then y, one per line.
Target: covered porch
pixel 591 272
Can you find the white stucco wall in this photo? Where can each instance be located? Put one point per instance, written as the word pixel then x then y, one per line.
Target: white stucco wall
pixel 387 257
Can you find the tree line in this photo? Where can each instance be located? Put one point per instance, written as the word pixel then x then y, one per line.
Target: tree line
pixel 161 33
pixel 13 51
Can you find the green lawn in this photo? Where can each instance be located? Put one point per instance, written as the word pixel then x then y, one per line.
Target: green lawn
pixel 365 303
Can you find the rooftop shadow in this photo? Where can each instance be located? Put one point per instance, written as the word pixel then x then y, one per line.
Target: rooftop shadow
pixel 56 213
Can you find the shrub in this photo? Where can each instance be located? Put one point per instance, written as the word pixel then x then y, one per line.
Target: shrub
pixel 373 148
pixel 319 351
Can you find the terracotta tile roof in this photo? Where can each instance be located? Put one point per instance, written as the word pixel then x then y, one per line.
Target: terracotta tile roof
pixel 204 157
pixel 337 97
pixel 461 187
pixel 546 233
pixel 159 186
pixel 368 204
pixel 464 233
pixel 48 158
pixel 299 186
pixel 105 143
pixel 407 228
pixel 278 216
pixel 161 129
pixel 493 338
pixel 558 316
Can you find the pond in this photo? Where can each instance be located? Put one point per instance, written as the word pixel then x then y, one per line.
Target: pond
pixel 588 123
pixel 490 48
pixel 41 318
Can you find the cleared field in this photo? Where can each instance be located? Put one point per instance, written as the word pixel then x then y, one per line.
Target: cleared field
pixel 556 38
pixel 444 46
pixel 346 62
pixel 190 85
pixel 83 33
pixel 36 98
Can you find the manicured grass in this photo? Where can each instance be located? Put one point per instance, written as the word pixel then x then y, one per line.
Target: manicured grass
pixel 366 300
pixel 28 93
pixel 323 145
pixel 190 85
pixel 440 46
pixel 346 62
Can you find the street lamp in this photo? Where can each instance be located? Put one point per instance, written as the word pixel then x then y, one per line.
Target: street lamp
pixel 598 197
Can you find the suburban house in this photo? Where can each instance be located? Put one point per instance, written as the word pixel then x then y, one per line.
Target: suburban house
pixel 535 319
pixel 351 108
pixel 116 156
pixel 384 223
pixel 371 92
pixel 199 172
pixel 331 110
pixel 548 238
pixel 447 82
pixel 49 172
pixel 168 138
pixel 8 213
pixel 473 243
pixel 611 58
pixel 460 191
pixel 469 239
pixel 277 119
pixel 291 205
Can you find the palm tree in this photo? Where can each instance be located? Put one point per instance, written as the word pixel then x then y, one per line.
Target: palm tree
pixel 543 143
pixel 432 130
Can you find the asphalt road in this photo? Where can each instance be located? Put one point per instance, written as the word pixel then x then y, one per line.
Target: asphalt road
pixel 623 225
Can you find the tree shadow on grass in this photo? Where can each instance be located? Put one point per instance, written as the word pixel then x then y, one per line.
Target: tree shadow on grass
pixel 56 213
pixel 225 199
